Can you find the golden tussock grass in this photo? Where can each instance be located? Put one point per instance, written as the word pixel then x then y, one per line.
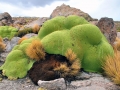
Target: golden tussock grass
pixel 69 70
pixel 63 70
pixel 112 67
pixel 2 45
pixel 36 28
pixel 75 62
pixel 75 67
pixel 117 44
pixel 1 40
pixel 70 55
pixel 22 39
pixel 35 50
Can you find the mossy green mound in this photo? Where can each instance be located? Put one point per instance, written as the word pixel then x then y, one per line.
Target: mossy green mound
pixel 17 63
pixel 7 31
pixel 73 32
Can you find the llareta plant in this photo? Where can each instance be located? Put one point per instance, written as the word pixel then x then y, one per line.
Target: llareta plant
pixel 60 34
pixel 85 40
pixel 62 47
pixel 112 64
pixel 17 63
pixel 7 31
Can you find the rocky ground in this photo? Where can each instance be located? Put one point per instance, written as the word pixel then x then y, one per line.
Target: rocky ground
pixel 84 81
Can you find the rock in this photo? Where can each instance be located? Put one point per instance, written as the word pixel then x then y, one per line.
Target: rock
pixel 20 21
pixel 5 18
pixel 9 46
pixel 108 28
pixel 30 35
pixel 3 56
pixel 118 34
pixel 94 22
pixel 10 43
pixel 81 83
pixel 38 22
pixel 57 84
pixel 93 87
pixel 93 82
pixel 66 10
pixel 83 76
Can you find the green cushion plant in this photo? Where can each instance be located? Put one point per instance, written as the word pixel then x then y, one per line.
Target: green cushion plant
pixel 86 40
pixel 7 31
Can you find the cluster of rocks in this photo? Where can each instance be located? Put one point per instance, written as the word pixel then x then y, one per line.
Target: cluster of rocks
pixel 84 81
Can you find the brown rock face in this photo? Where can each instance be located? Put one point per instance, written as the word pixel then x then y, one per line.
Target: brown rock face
pixel 66 10
pixel 108 28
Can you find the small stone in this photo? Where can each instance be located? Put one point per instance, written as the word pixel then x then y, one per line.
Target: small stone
pixel 28 81
pixel 82 83
pixel 57 84
pixel 82 76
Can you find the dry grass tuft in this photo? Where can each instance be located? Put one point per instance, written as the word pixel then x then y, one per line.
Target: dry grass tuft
pixel 63 70
pixel 2 45
pixel 112 67
pixel 73 66
pixel 35 50
pixel 117 44
pixel 22 39
pixel 70 55
pixel 36 28
pixel 1 40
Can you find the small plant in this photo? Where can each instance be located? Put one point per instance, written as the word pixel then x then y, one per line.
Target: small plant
pixel 112 64
pixel 22 39
pixel 7 31
pixel 70 55
pixel 2 45
pixel 36 28
pixel 35 50
pixel 117 44
pixel 71 68
pixel 112 67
